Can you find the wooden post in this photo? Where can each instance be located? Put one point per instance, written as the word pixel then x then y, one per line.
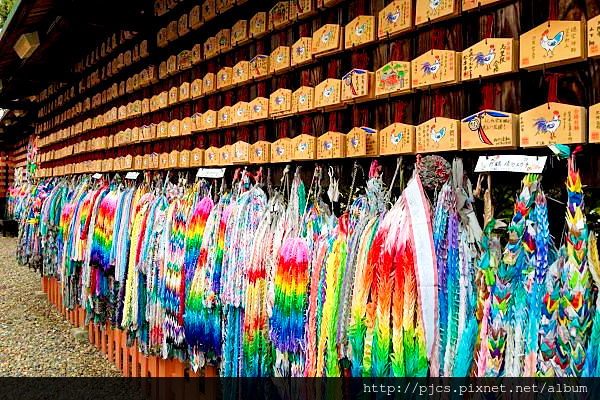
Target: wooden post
pixel 110 342
pixel 118 348
pixel 210 372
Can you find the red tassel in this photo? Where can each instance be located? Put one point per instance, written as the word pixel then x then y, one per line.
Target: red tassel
pixel 552 79
pixel 306 125
pixel 262 132
pixel 487 96
pixel 332 70
pixel 333 121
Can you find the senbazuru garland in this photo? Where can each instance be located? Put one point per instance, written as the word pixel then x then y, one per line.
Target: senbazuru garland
pixel 270 281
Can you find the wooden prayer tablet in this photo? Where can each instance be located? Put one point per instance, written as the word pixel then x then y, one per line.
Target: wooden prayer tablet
pixel 225 156
pixel 304 147
pixel 279 15
pixel 331 145
pixel 223 40
pixel 146 161
pixel 594 135
pixel 357 85
pixel 184 91
pixel 300 9
pixel 224 117
pixel 438 134
pixel 185 126
pixel 184 159
pixel 240 112
pixel 593 37
pixel 241 72
pixel 184 60
pixel 239 33
pixel 395 19
pixel 122 114
pixel 196 54
pixel 360 31
pixel 240 152
pixel 468 5
pixel 210 48
pixel 223 5
pixel 280 59
pixel 173 95
pixel 172 34
pixel 209 120
pixel 224 78
pixel 174 159
pixel 138 162
pixel 259 108
pixel 552 43
pixel 163 161
pixel 553 123
pixel 428 11
pixel 208 10
pixel 258 25
pixel 209 83
pixel 281 150
pixel 172 65
pixel 327 40
pixel 328 93
pixel 174 127
pixel 489 129
pixel 301 52
pixel 196 89
pixel 397 138
pixel 197 157
pixel 162 70
pixel 195 17
pixel 260 152
pixel 490 57
pixel 435 68
pixel 197 122
pixel 182 26
pixel 303 99
pixel 259 66
pixel 362 142
pixel 280 102
pixel 212 157
pixel 161 39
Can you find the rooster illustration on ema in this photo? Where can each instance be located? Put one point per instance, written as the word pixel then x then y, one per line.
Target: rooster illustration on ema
pixel 431 68
pixel 475 125
pixel 486 60
pixel 549 44
pixel 436 136
pixel 544 126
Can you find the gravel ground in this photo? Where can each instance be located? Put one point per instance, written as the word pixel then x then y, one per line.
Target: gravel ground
pixel 35 340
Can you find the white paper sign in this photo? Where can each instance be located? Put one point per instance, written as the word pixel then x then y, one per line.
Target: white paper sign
pixel 132 175
pixel 211 173
pixel 511 163
pixel 97 176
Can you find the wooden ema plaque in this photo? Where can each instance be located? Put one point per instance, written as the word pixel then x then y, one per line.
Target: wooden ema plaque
pixel 197 122
pixel 362 142
pixel 161 38
pixel 196 54
pixel 304 147
pixel 327 40
pixel 259 109
pixel 435 68
pixel 224 78
pixel 174 127
pixel 197 157
pixel 173 95
pixel 210 48
pixel 239 33
pixel 225 157
pixel 172 34
pixel 174 159
pixel 331 145
pixel 163 161
pixel 280 102
pixel 279 15
pixel 209 120
pixel 260 152
pixel 552 43
pixel 185 126
pixel 184 159
pixel 280 59
pixel 301 9
pixel 224 117
pixel 195 17
pixel 395 19
pixel 184 60
pixel 359 32
pixel 594 135
pixel 223 40
pixel 208 83
pixel 468 5
pixel 328 93
pixel 301 52
pixel 209 10
pixel 259 67
pixel 241 72
pixel 397 138
pixel 223 5
pixel 258 25
pixel 593 37
pixel 240 152
pixel 162 130
pixel 196 89
pixel 427 11
pixel 357 86
pixel 281 150
pixel 163 100
pixel 552 123
pixel 146 161
pixel 172 65
pixel 240 113
pixel 490 57
pixel 138 162
pixel 438 134
pixel 211 157
pixel 303 99
pixel 489 129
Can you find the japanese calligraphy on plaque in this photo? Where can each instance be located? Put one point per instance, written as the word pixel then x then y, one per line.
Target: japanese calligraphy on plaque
pixel 300 9
pixel 302 99
pixel 331 145
pixel 280 59
pixel 552 43
pixel 434 10
pixel 241 72
pixel 362 142
pixel 239 33
pixel 553 123
pixel 208 83
pixel 281 150
pixel 209 120
pixel 397 138
pixel 195 18
pixel 304 147
pixel 472 4
pixel 301 51
pixel 240 152
pixel 259 66
pixel 225 156
pixel 359 31
pixel 210 48
pixel 435 68
pixel 196 88
pixel 328 93
pixel 223 40
pixel 208 10
pixel 279 15
pixel 438 134
pixel 224 78
pixel 594 112
pixel 259 108
pixel 258 25
pixel 489 129
pixel 357 85
pixel 488 58
pixel 280 102
pixel 327 40
pixel 393 79
pixel 185 126
pixel 240 112
pixel 224 117
pixel 184 159
pixel 260 152
pixel 395 19
pixel 197 157
pixel 211 157
pixel 593 37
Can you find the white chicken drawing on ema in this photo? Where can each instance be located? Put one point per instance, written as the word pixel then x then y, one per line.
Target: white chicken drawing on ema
pixel 485 59
pixel 431 68
pixel 436 136
pixel 549 127
pixel 434 5
pixel 549 44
